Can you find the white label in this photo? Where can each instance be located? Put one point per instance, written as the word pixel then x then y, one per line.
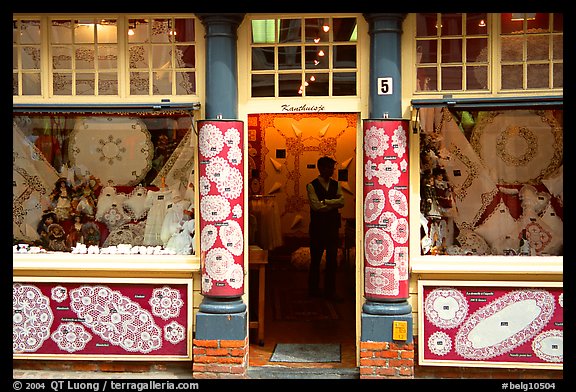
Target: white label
pixel 384 86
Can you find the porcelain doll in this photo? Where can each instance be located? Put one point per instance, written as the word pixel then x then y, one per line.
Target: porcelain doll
pixel 74 235
pixel 48 218
pixel 61 199
pixel 57 238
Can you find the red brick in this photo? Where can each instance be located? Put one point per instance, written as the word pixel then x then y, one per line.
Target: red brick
pixel 233 343
pixel 366 370
pixel 217 351
pixel 387 354
pixel 198 351
pixel 383 371
pixel 373 362
pixel 374 346
pixel 407 354
pixel 205 343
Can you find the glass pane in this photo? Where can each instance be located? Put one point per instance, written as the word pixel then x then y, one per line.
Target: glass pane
pixel 510 24
pixel 537 47
pixel 317 84
pixel 263 31
pixel 427 52
pixel 14 84
pixel 558 45
pixel 290 31
pixel 107 31
pixel 451 50
pixel 31 84
pixel 15 31
pixel 84 31
pixel 184 30
pixel 133 152
pixel 558 75
pixel 162 83
pixel 317 57
pixel 107 84
pixel 451 24
pixel 426 25
pixel 161 56
pixel 263 58
pixel 61 32
pixel 61 57
pixel 138 30
pixel 511 76
pixel 108 57
pixel 289 85
pixel 61 84
pixel 317 30
pixel 162 30
pixel 84 57
pixel 538 22
pixel 262 85
pixel 138 56
pixel 85 84
pixel 512 48
pixel 344 30
pixel 538 75
pixel 30 32
pixel 344 83
pixel 185 56
pixel 476 24
pixel 558 23
pixel 477 50
pixel 344 56
pixel 476 78
pixel 30 56
pixel 451 78
pixel 289 57
pixel 185 83
pixel 426 79
pixel 139 83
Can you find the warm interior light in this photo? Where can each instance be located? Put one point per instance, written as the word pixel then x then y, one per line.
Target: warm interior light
pixel 312 78
pixel 519 17
pixel 321 53
pixel 482 23
pixel 316 40
pixel 130 32
pixel 326 28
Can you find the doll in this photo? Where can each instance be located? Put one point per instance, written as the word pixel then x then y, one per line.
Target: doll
pixel 75 233
pixel 91 233
pixel 48 218
pixel 61 199
pixel 57 238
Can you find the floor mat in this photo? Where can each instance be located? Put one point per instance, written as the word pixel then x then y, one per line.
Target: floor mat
pixel 296 305
pixel 292 352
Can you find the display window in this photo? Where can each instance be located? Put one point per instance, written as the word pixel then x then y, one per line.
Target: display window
pixel 102 182
pixel 491 182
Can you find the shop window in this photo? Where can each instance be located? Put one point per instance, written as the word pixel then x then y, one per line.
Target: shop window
pixel 96 182
pixel 531 51
pixel 452 52
pixel 491 182
pixel 304 57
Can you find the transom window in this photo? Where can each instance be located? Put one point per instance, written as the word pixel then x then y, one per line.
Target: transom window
pixel 304 57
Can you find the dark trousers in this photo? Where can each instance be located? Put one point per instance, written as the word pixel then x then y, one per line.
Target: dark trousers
pixel 320 242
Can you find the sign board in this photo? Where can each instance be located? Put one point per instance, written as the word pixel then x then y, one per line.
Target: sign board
pixel 385 86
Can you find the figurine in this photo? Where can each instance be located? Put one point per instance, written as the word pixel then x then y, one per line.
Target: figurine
pixel 61 199
pixel 48 218
pixel 57 238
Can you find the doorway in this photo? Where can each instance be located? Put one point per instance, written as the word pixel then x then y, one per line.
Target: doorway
pixel 283 150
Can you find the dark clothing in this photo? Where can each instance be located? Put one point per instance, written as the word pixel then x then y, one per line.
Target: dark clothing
pixel 324 236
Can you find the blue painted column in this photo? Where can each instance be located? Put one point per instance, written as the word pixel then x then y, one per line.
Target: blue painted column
pixel 386 308
pixel 221 317
pixel 221 65
pixel 385 30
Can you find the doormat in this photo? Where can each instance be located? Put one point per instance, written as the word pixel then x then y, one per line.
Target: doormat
pixel 292 352
pixel 296 305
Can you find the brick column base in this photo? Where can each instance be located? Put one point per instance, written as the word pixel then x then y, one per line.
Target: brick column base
pixel 220 358
pixel 386 360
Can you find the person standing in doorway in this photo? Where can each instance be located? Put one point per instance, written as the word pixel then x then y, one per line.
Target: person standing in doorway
pixel 326 198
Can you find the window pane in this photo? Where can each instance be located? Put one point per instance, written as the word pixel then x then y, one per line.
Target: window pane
pixel 107 31
pixel 138 56
pixel 451 78
pixel 289 57
pixel 318 84
pixel 139 83
pixel 558 45
pixel 558 75
pixel 162 82
pixel 31 84
pixel 30 56
pixel 537 47
pixel 185 56
pixel 161 56
pixel 317 30
pixel 61 57
pixel 476 24
pixel 185 83
pixel 512 48
pixel 451 24
pixel 263 58
pixel 84 31
pixel 344 83
pixel 476 78
pixel 427 52
pixel 162 30
pixel 538 75
pixel 184 30
pixel 262 85
pixel 14 83
pixel 344 56
pixel 289 85
pixel 107 84
pixel 477 50
pixel 61 32
pixel 345 30
pixel 426 79
pixel 139 28
pixel 30 32
pixel 511 76
pixel 84 57
pixel 62 84
pixel 426 25
pixel 85 84
pixel 108 57
pixel 558 23
pixel 290 31
pixel 263 31
pixel 451 50
pixel 538 23
pixel 317 57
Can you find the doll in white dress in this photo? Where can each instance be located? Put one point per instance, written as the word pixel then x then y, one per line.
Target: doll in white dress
pixel 158 202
